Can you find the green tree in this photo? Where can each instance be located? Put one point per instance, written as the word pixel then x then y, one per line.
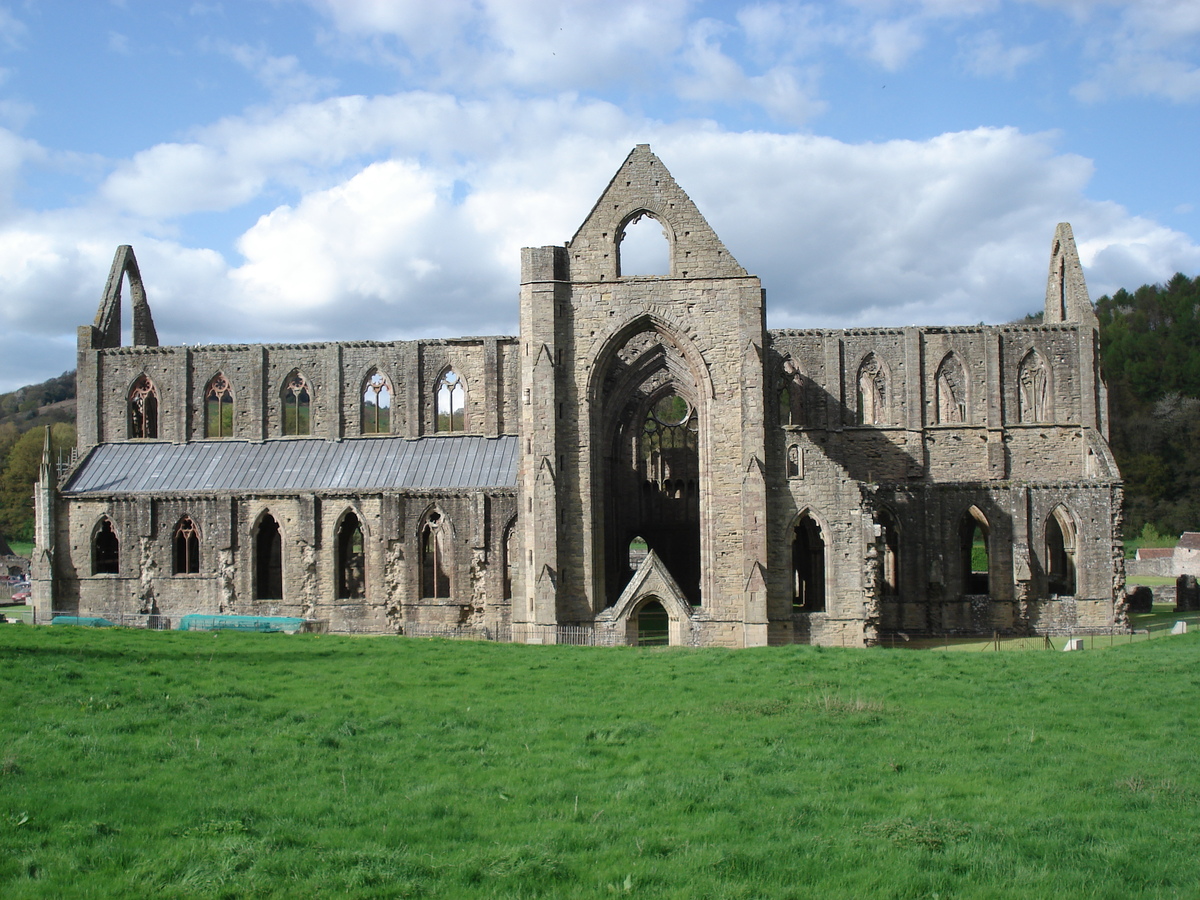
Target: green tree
pixel 19 473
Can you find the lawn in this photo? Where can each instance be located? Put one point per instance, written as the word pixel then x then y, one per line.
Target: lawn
pixel 240 765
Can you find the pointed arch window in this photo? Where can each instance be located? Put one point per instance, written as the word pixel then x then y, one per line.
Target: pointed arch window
pixel 808 566
pixel 951 392
pixel 1033 389
pixel 873 393
pixel 186 550
pixel 143 408
pixel 795 462
pixel 218 408
pixel 643 246
pixel 975 552
pixel 1060 553
pixel 889 532
pixel 106 549
pixel 376 404
pixel 791 396
pixel 351 559
pixel 450 401
pixel 511 558
pixel 268 560
pixel 297 405
pixel 435 557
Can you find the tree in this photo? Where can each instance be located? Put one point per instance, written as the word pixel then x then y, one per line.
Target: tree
pixel 20 472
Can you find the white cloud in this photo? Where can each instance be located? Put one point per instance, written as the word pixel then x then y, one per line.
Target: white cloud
pixel 281 75
pixel 986 54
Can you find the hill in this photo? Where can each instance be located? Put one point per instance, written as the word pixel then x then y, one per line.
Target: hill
pixel 23 414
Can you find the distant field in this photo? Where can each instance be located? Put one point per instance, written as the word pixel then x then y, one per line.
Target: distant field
pixel 138 764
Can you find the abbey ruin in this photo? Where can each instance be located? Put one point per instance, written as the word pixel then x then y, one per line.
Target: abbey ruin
pixel 644 455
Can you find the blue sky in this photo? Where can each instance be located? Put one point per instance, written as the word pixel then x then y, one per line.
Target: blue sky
pixel 338 169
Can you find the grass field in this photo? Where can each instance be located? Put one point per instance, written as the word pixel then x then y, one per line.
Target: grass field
pixel 230 765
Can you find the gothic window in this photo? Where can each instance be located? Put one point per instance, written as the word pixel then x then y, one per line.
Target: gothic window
pixel 450 400
pixel 1033 386
pixel 511 558
pixel 143 409
pixel 218 408
pixel 435 557
pixel 973 533
pixel 268 560
pixel 872 392
pixel 1060 553
pixel 186 556
pixel 795 462
pixel 106 549
pixel 791 396
pixel 808 566
pixel 376 404
pixel 351 561
pixel 889 533
pixel 297 405
pixel 951 391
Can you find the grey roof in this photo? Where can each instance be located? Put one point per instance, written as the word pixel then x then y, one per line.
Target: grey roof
pixel 305 464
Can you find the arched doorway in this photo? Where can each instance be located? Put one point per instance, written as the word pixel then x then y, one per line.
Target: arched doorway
pixel 268 560
pixel 808 565
pixel 653 625
pixel 975 552
pixel 1060 553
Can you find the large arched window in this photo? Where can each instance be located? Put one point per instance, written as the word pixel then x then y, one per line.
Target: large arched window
pixel 1060 553
pixel 975 552
pixel 951 391
pixel 297 404
pixel 643 247
pixel 376 404
pixel 808 565
pixel 351 559
pixel 143 409
pixel 450 401
pixel 218 408
pixel 268 560
pixel 1033 389
pixel 435 556
pixel 186 551
pixel 791 396
pixel 106 549
pixel 873 393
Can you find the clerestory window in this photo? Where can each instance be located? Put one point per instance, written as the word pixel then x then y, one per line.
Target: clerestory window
pixel 143 409
pixel 450 400
pixel 297 405
pixel 186 556
pixel 218 408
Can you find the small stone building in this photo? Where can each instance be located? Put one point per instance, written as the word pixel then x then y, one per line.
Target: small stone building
pixel 645 461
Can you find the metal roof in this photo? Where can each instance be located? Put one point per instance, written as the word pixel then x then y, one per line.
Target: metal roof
pixel 299 464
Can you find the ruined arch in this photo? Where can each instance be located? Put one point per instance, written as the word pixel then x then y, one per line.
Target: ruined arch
pixel 106 548
pixel 951 392
pixel 350 557
pixel 1035 389
pixel 267 540
pixel 218 407
pixel 143 408
pixel 378 396
pixel 792 405
pixel 645 251
pixel 889 557
pixel 511 559
pixel 649 404
pixel 296 399
pixel 435 540
pixel 450 401
pixel 185 549
pixel 975 551
pixel 873 390
pixel 1061 543
pixel 810 560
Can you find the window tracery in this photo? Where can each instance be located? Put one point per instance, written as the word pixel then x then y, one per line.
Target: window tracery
pixel 297 405
pixel 186 555
pixel 791 396
pixel 435 561
pixel 376 404
pixel 872 392
pixel 951 391
pixel 450 400
pixel 351 566
pixel 143 408
pixel 218 408
pixel 1033 389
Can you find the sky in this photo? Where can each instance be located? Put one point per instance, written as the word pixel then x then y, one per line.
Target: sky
pixel 302 170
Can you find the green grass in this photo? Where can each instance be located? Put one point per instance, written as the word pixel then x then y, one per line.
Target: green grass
pixel 21 548
pixel 175 764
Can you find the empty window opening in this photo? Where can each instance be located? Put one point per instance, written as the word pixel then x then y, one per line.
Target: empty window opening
pixel 1060 553
pixel 808 566
pixel 376 405
pixel 951 391
pixel 795 462
pixel 218 408
pixel 638 551
pixel 186 556
pixel 435 568
pixel 106 549
pixel 643 247
pixel 975 552
pixel 872 392
pixel 351 567
pixel 451 402
pixel 297 405
pixel 1033 389
pixel 791 396
pixel 653 625
pixel 889 585
pixel 268 560
pixel 143 409
pixel 511 558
